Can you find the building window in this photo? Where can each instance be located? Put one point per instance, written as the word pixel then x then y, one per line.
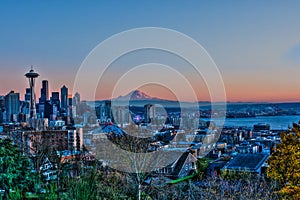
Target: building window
pixel 186 167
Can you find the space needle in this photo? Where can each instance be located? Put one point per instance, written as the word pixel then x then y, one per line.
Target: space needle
pixel 32 75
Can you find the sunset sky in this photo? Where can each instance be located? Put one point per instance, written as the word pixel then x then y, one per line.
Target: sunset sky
pixel 255 44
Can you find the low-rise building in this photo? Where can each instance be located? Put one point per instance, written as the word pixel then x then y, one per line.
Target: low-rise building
pixel 183 166
pixel 253 163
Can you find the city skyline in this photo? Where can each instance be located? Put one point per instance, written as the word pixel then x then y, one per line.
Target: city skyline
pixel 151 99
pixel 257 52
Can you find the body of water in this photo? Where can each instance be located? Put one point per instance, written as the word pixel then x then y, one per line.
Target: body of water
pixel 276 122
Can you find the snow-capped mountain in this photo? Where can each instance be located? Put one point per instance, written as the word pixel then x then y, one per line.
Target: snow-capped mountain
pixel 136 95
pixel 139 98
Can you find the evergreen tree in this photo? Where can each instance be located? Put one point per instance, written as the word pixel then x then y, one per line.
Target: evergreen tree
pixel 284 163
pixel 15 169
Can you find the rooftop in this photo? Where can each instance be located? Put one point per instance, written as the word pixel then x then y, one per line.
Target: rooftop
pixel 251 162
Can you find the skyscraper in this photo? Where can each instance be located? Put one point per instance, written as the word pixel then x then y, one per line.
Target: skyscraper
pixel 104 112
pixel 76 98
pixel 2 106
pixel 55 104
pixel 27 95
pixel 70 100
pixel 2 102
pixel 149 113
pixel 44 92
pixel 55 99
pixel 64 98
pixel 25 105
pixel 12 105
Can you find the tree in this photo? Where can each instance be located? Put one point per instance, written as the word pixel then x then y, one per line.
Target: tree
pixel 15 169
pixel 202 165
pixel 284 163
pixel 133 160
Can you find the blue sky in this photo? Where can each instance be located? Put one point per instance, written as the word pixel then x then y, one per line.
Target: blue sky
pixel 254 43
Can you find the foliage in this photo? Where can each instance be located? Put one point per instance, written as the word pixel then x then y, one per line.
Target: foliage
pixel 15 195
pixel 284 163
pixel 15 169
pixel 253 187
pixel 202 165
pixel 114 185
pixel 235 175
pixel 109 184
pixel 99 185
pixel 51 192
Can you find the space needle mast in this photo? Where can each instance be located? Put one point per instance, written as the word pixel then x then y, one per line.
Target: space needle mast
pixel 32 75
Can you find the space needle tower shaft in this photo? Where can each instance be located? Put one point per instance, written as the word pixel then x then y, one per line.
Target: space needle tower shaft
pixel 32 75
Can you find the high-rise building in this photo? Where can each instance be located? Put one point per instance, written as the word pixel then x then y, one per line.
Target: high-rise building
pixel 1 116
pixel 76 98
pixel 121 115
pixel 75 104
pixel 25 105
pixel 44 92
pixel 64 98
pixel 2 106
pixel 2 102
pixel 48 110
pixel 43 99
pixel 55 99
pixel 149 113
pixel 27 95
pixel 12 106
pixel 104 112
pixel 70 100
pixel 75 138
pixel 55 102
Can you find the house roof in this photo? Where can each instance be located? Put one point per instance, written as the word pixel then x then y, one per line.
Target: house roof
pixel 186 157
pixel 180 162
pixel 250 162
